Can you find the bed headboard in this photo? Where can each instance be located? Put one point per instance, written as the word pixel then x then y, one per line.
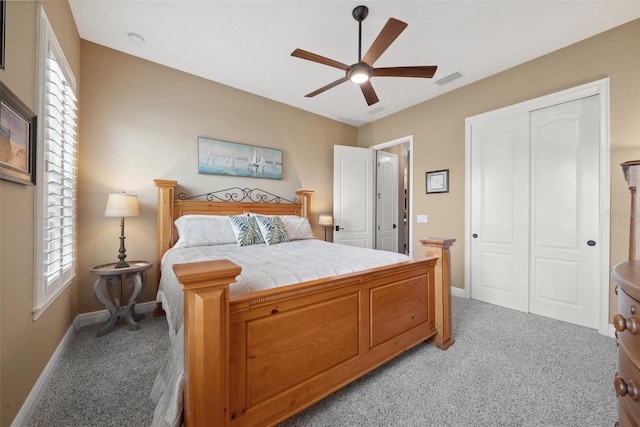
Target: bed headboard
pixel 231 201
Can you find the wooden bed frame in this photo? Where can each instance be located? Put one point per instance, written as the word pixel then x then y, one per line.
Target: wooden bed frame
pixel 258 359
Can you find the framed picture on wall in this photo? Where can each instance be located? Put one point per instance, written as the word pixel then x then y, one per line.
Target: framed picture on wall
pixel 3 26
pixel 231 158
pixel 438 181
pixel 17 139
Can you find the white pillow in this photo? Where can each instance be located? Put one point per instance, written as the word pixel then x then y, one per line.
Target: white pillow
pixel 298 227
pixel 204 230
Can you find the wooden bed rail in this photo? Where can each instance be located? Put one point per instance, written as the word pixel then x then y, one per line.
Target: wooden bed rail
pixel 209 345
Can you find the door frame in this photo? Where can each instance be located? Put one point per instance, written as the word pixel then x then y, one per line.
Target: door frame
pixel 597 87
pixel 404 140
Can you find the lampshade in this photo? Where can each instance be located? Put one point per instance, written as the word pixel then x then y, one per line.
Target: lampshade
pixel 326 220
pixel 121 205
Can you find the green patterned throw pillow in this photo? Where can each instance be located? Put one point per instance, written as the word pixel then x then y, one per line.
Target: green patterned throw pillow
pixel 246 230
pixel 272 229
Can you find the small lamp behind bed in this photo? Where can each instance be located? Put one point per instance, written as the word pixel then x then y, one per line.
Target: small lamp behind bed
pixel 121 205
pixel 325 220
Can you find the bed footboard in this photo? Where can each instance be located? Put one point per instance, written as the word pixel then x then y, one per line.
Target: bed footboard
pixel 258 359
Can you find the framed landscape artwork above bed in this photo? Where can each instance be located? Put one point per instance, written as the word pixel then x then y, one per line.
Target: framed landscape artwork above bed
pixel 218 157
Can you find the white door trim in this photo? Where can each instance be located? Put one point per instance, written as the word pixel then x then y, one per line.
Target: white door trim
pixel 598 87
pixel 404 140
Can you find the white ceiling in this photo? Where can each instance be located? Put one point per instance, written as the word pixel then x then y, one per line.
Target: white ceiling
pixel 247 44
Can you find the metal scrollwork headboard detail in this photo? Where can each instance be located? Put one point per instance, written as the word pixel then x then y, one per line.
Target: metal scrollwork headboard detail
pixel 237 194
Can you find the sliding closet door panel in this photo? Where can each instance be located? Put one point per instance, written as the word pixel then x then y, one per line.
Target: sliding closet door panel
pixel 564 211
pixel 500 215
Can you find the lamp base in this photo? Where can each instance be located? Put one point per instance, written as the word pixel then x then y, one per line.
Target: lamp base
pixel 122 253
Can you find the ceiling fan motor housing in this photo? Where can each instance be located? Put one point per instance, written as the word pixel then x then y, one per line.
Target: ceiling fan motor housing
pixel 360 72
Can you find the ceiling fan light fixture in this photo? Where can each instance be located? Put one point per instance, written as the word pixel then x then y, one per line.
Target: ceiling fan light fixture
pixel 359 73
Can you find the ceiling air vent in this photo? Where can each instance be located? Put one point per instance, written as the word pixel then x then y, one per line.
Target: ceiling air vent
pixel 451 77
pixel 376 110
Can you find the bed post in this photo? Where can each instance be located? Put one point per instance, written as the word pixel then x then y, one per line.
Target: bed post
pixel 304 198
pixel 206 340
pixel 166 190
pixel 439 248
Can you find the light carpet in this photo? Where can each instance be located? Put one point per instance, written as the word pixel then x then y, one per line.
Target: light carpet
pixel 506 369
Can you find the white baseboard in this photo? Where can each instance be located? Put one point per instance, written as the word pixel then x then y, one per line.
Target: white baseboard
pixel 458 292
pixel 36 392
pixel 84 319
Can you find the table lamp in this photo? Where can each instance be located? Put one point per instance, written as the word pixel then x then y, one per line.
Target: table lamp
pixel 121 205
pixel 325 220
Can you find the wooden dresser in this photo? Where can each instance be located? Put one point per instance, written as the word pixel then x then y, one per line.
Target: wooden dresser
pixel 627 321
pixel 627 324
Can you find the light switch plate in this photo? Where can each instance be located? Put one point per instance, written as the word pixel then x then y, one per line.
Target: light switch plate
pixel 423 219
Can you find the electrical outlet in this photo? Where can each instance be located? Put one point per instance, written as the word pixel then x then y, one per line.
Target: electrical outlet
pixel 423 219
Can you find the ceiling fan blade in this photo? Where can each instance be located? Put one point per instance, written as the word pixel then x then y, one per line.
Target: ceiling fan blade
pixel 369 93
pixel 426 71
pixel 299 53
pixel 327 87
pixel 389 33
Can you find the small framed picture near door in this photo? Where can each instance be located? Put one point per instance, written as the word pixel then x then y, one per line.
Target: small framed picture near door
pixel 438 181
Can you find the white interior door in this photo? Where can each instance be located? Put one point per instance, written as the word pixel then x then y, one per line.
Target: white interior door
pixel 535 204
pixel 353 190
pixel 387 201
pixel 500 211
pixel 565 241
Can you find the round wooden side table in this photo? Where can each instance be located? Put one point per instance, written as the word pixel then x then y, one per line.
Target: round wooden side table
pixel 108 276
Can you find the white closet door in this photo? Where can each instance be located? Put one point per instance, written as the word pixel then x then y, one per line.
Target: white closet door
pixel 500 211
pixel 565 187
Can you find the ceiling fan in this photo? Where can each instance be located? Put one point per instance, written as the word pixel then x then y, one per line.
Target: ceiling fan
pixel 362 71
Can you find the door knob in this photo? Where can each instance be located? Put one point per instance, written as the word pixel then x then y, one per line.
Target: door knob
pixel 338 228
pixel 591 242
pixel 475 236
pixel 395 226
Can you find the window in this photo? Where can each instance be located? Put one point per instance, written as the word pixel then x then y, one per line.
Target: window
pixel 55 171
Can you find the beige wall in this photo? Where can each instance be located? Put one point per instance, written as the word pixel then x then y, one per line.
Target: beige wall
pixel 141 121
pixel 26 345
pixel 439 135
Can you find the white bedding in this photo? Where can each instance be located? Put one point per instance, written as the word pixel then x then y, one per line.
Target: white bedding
pixel 263 267
pixel 269 266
